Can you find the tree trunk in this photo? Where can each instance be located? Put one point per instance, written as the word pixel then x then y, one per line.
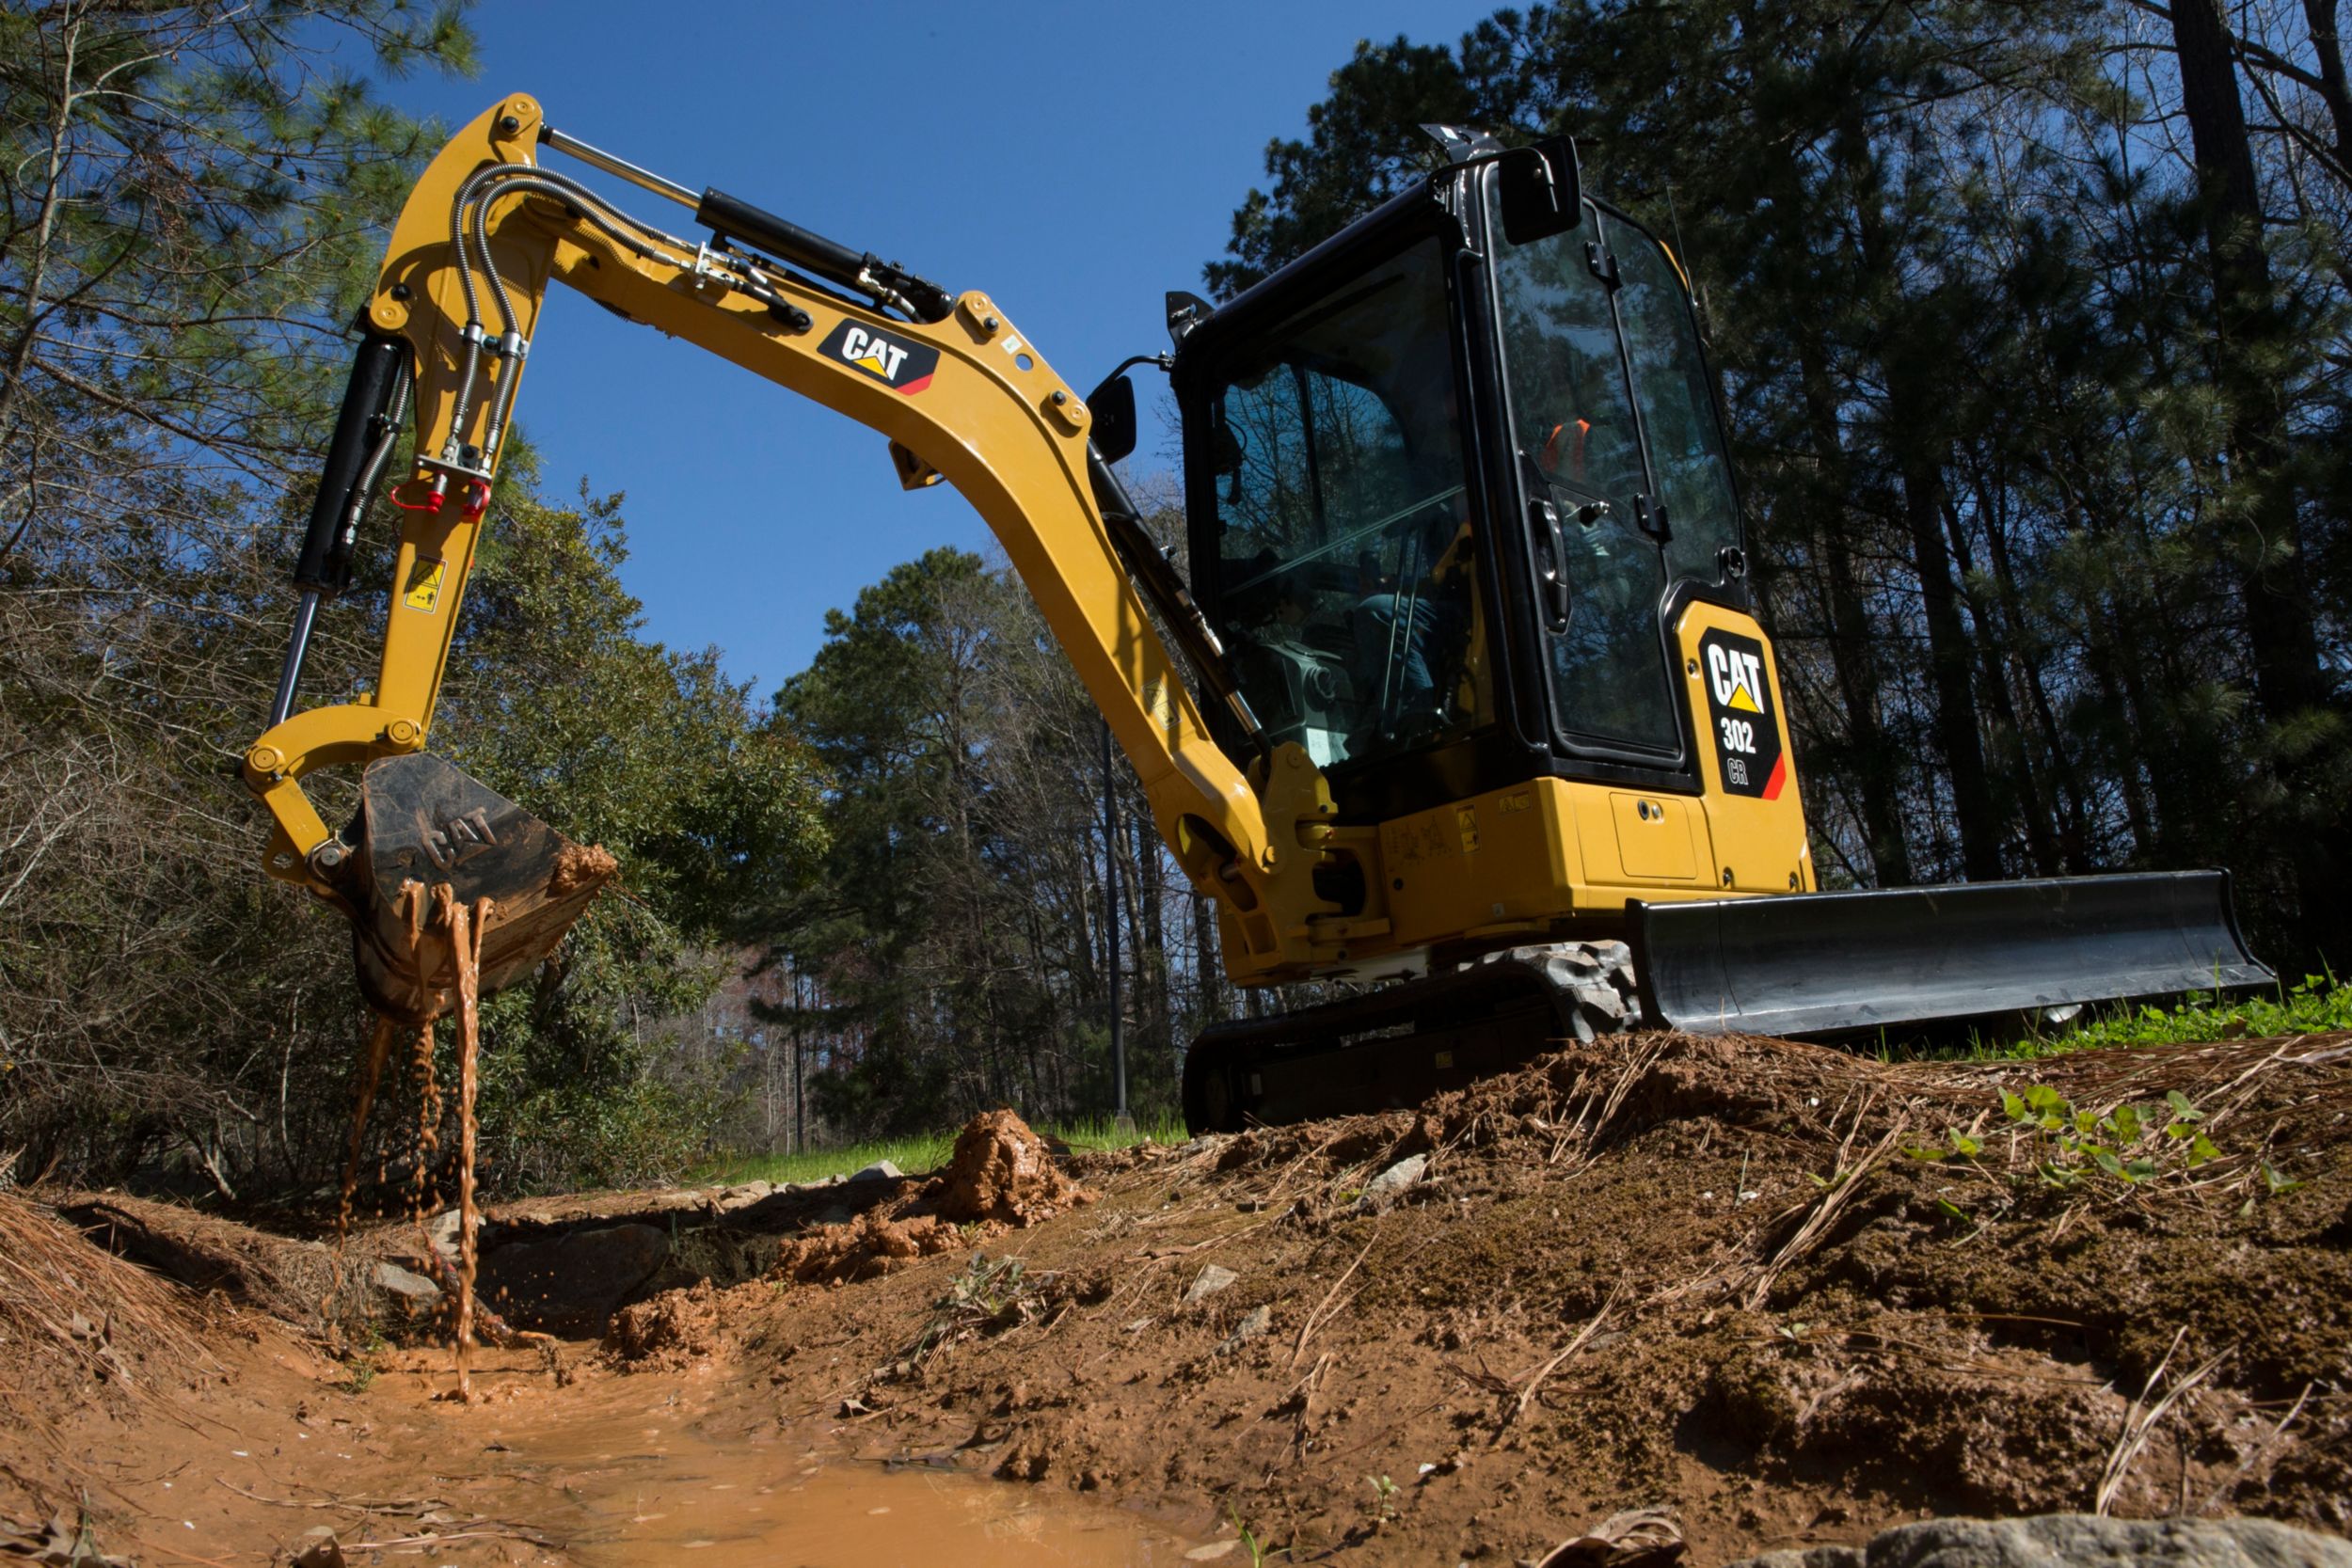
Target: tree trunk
pixel 2246 321
pixel 2040 838
pixel 2328 45
pixel 2072 836
pixel 2280 631
pixel 1956 732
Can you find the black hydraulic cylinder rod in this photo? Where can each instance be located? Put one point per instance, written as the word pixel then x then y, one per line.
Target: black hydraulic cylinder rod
pixel 787 241
pixel 736 218
pixel 325 565
pixel 373 401
pixel 1159 581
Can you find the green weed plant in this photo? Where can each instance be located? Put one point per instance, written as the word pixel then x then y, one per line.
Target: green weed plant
pixel 2130 1143
pixel 2320 1004
pixel 987 1297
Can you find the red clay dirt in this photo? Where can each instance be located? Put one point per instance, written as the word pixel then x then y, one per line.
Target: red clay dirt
pixel 999 1176
pixel 1717 1278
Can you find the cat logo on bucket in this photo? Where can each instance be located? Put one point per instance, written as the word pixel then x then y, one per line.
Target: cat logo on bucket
pixel 905 366
pixel 1740 705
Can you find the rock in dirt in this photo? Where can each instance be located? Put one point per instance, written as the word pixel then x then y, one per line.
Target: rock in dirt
pixel 1383 1191
pixel 1212 1278
pixel 881 1170
pixel 1001 1172
pixel 2076 1541
pixel 728 1199
pixel 319 1549
pixel 571 1283
pixel 412 1288
pixel 1255 1325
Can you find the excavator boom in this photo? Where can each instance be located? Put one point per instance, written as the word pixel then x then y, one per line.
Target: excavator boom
pixel 959 392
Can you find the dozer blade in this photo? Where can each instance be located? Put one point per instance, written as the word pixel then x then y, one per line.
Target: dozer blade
pixel 1834 963
pixel 421 823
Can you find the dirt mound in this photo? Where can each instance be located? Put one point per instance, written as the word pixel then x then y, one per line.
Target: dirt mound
pixel 74 1319
pixel 672 1330
pixel 1002 1174
pixel 1793 1293
pixel 1789 1297
pixel 1000 1178
pixel 115 1383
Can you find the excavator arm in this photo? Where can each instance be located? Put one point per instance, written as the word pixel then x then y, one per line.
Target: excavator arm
pixel 961 395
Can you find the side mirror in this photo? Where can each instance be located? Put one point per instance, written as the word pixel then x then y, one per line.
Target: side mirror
pixel 1542 190
pixel 1114 406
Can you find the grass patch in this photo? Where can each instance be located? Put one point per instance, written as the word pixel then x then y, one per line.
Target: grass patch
pixel 912 1155
pixel 1098 1134
pixel 925 1153
pixel 2321 1004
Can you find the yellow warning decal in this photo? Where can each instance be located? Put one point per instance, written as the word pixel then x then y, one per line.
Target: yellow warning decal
pixel 424 584
pixel 1163 708
pixel 1740 700
pixel 1465 818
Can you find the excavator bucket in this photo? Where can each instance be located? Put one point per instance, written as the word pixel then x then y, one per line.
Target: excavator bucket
pixel 1843 963
pixel 424 824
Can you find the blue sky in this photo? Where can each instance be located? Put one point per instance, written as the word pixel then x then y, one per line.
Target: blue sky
pixel 1076 161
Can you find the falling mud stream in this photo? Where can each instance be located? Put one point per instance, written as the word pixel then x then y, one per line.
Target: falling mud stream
pixel 436 917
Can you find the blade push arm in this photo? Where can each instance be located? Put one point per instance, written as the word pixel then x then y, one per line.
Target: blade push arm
pixel 959 392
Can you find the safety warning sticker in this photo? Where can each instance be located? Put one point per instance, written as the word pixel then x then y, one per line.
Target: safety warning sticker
pixel 424 584
pixel 905 366
pixel 1739 702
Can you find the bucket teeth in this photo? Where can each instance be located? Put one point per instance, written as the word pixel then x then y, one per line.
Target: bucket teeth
pixel 423 823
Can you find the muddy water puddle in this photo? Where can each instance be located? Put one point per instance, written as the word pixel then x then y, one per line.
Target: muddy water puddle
pixel 614 1473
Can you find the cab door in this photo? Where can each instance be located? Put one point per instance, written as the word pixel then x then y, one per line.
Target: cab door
pixel 1594 519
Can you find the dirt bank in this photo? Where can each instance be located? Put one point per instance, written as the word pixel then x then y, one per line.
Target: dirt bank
pixel 1721 1277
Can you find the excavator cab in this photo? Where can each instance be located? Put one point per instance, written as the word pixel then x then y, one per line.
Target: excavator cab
pixel 1452 481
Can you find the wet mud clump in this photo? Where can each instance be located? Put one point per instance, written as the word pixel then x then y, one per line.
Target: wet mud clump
pixel 1001 1173
pixel 578 865
pixel 668 1332
pixel 1000 1178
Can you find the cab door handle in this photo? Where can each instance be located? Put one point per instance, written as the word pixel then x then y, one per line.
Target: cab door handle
pixel 1551 563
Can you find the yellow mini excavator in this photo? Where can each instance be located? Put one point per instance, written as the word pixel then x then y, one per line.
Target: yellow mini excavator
pixel 1477 712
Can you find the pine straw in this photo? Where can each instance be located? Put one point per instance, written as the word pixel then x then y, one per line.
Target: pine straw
pixel 313 1288
pixel 98 1309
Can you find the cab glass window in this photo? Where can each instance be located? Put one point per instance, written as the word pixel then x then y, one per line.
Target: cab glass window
pixel 1343 575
